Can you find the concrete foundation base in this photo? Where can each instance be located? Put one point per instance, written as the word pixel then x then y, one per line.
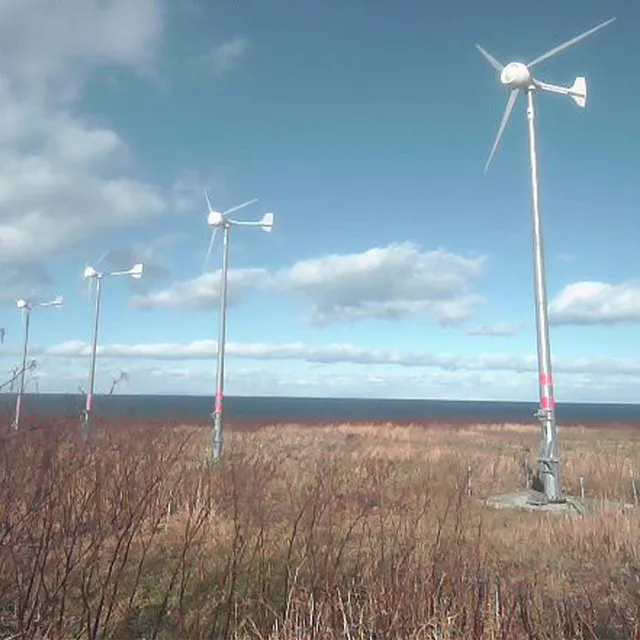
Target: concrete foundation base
pixel 536 501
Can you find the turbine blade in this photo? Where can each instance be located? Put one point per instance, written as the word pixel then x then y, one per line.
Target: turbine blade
pixel 568 43
pixel 102 258
pixel 240 206
pixel 492 61
pixel 206 197
pixel 210 249
pixel 505 117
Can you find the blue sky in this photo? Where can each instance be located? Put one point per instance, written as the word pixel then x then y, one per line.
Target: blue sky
pixel 395 268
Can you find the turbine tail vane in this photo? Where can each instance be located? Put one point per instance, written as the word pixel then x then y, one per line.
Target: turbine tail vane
pixel 492 61
pixel 505 118
pixel 569 43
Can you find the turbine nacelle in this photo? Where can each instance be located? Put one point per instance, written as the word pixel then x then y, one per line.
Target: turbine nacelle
pixel 516 76
pixel 215 219
pixel 89 272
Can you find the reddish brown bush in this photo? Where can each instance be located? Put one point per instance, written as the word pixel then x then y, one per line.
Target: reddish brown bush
pixel 336 532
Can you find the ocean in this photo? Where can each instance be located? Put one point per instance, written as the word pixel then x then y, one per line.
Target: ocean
pixel 261 410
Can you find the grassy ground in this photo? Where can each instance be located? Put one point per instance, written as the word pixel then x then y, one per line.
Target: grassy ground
pixel 341 531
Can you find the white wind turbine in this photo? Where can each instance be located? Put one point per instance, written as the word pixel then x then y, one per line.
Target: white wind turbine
pixel 217 220
pixel 26 307
pixel 95 278
pixel 517 77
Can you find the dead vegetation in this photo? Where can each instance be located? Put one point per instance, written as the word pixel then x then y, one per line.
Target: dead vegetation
pixel 306 532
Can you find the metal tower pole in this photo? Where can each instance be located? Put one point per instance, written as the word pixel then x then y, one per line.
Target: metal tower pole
pixel 222 329
pixel 25 348
pixel 86 417
pixel 548 466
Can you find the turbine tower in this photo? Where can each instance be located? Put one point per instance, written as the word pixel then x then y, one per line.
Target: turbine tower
pixel 517 77
pixel 217 220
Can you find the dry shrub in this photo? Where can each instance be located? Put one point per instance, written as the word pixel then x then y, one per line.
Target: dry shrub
pixel 343 531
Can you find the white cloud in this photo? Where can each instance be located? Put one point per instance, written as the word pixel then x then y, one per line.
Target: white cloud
pixel 333 370
pixel 225 56
pixel 498 330
pixel 49 47
pixel 390 282
pixel 597 303
pixel 204 291
pixel 60 176
pixel 344 353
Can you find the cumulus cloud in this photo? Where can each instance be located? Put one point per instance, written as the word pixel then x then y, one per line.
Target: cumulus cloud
pixel 390 282
pixel 498 330
pixel 299 369
pixel 59 172
pixel 346 354
pixel 590 303
pixel 49 47
pixel 62 374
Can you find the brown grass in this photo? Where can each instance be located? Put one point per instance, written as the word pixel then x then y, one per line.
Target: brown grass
pixel 342 531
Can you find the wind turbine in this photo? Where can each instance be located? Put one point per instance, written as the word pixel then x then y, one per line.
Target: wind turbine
pixel 92 275
pixel 217 220
pixel 26 308
pixel 517 77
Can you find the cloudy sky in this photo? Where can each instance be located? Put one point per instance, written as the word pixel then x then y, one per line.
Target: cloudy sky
pixel 395 268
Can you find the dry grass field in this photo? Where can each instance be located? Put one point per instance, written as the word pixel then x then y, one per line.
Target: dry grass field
pixel 341 531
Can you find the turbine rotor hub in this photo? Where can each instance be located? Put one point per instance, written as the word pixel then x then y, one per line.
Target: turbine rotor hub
pixel 516 76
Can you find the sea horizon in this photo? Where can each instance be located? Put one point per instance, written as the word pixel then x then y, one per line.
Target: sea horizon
pixel 273 409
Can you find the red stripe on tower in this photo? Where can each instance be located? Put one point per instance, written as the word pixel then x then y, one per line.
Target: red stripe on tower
pixel 546 379
pixel 548 402
pixel 218 408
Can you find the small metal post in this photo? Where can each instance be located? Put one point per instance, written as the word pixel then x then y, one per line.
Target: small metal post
pixel 582 492
pixel 25 349
pixel 634 486
pixel 85 424
pixel 222 327
pixel 548 467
